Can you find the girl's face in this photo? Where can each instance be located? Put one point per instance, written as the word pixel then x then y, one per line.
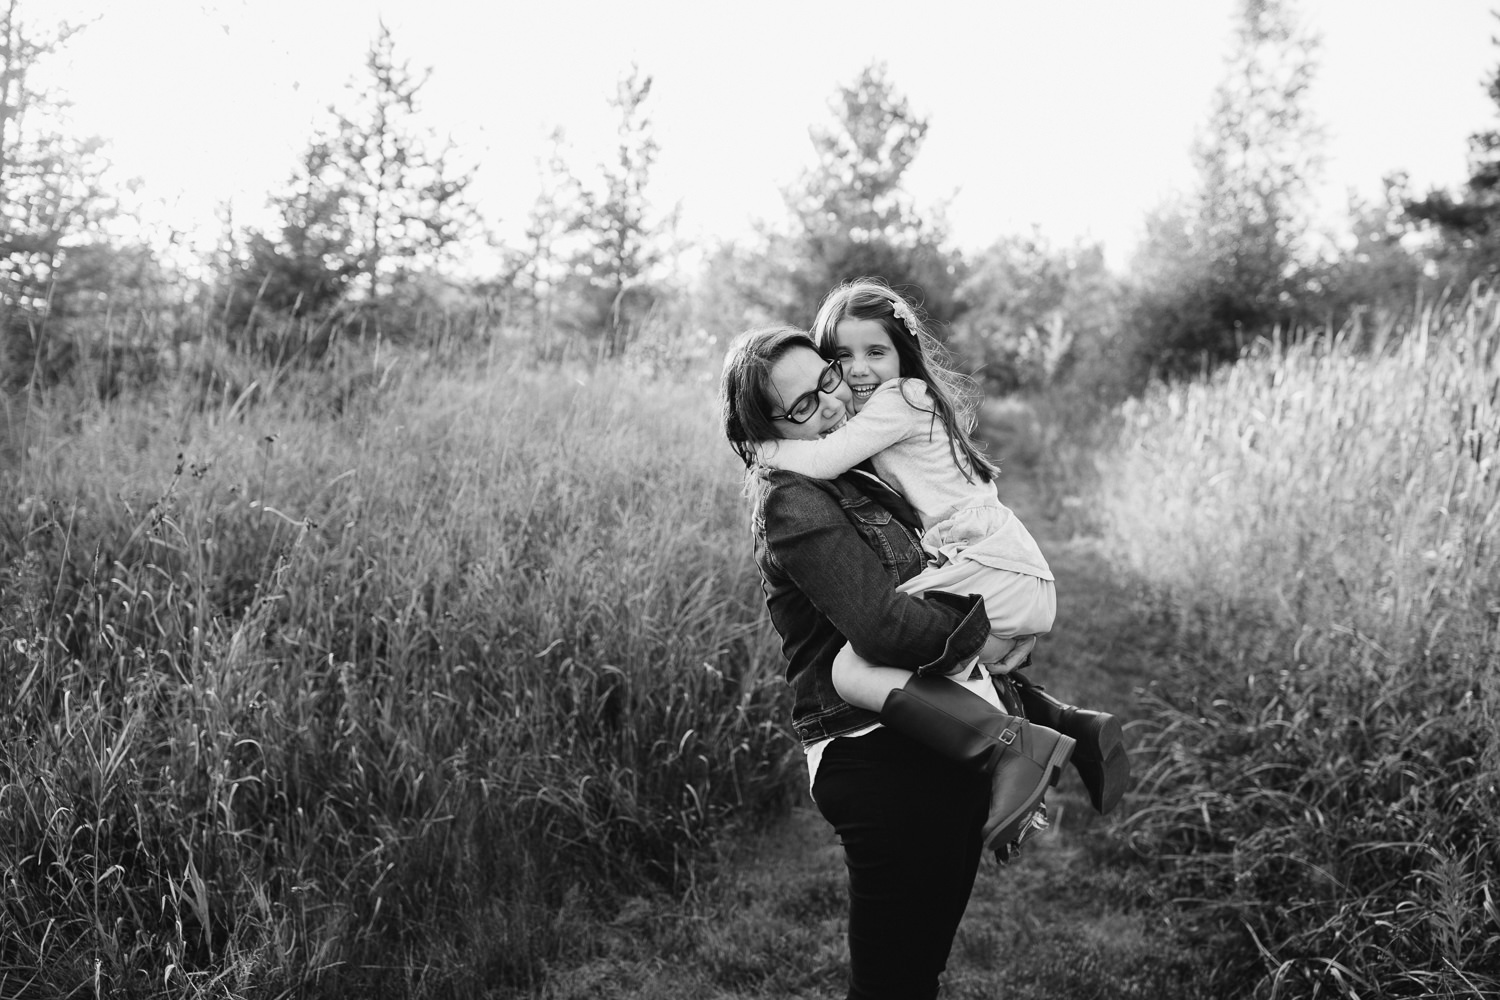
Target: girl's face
pixel 795 381
pixel 864 349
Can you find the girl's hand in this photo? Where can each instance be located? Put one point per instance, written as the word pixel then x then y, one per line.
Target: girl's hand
pixel 1017 655
pixel 994 650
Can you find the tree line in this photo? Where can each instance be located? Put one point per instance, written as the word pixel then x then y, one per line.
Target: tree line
pixel 377 209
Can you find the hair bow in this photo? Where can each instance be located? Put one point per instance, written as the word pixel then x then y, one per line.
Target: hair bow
pixel 903 312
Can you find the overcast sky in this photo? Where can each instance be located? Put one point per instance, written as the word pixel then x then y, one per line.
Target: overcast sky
pixel 1075 116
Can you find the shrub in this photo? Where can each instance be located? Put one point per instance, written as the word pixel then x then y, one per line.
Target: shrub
pixel 370 702
pixel 1318 527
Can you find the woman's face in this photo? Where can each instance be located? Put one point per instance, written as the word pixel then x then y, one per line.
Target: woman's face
pixel 796 376
pixel 868 357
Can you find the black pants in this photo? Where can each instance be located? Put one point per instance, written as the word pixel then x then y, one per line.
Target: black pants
pixel 910 824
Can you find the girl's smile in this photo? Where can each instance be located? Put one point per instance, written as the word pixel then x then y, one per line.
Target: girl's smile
pixel 868 357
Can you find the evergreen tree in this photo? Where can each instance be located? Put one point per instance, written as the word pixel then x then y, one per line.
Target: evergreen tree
pixel 1468 223
pixel 307 265
pixel 405 204
pixel 533 275
pixel 1256 162
pixel 51 193
pixel 1232 263
pixel 622 240
pixel 375 200
pixel 54 260
pixel 851 215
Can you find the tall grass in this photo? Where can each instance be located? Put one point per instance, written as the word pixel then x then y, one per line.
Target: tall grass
pixel 1321 525
pixel 367 699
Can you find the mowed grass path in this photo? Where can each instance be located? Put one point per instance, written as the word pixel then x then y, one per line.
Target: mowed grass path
pixel 1077 916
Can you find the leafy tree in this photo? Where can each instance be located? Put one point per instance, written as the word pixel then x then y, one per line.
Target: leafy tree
pixel 1377 273
pixel 1233 261
pixel 727 294
pixel 851 215
pixel 374 201
pixel 1031 310
pixel 1468 223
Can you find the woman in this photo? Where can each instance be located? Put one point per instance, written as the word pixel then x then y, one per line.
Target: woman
pixel 908 790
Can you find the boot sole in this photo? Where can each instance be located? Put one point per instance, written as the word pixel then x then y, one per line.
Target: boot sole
pixel 1110 781
pixel 1102 762
pixel 1007 830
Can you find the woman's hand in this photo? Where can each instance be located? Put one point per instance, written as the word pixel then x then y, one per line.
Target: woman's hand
pixel 1001 656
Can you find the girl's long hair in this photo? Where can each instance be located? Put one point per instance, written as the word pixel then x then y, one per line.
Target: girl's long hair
pixel 955 396
pixel 745 393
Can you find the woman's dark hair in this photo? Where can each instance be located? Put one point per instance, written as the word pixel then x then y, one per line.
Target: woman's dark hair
pixel 954 395
pixel 745 393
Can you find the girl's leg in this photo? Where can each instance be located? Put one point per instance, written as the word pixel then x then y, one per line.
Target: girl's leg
pixel 1016 604
pixel 1021 759
pixel 1099 756
pixel 864 684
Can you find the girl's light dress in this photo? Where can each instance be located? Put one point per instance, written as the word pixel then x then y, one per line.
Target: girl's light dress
pixel 975 544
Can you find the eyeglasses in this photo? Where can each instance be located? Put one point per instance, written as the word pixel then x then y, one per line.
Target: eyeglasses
pixel 805 405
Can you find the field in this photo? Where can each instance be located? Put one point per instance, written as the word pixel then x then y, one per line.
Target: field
pixel 412 676
pixel 1319 526
pixel 318 701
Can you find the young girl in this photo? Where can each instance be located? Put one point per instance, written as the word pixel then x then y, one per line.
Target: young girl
pixel 908 424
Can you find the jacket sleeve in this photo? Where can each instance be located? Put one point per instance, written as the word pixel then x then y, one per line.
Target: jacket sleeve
pixel 885 420
pixel 810 537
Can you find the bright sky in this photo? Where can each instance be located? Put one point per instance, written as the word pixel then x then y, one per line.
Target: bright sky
pixel 1075 116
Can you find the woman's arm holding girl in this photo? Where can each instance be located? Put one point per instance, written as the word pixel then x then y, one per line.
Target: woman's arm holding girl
pixel 809 536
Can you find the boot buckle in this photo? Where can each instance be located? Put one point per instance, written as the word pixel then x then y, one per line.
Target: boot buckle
pixel 1008 737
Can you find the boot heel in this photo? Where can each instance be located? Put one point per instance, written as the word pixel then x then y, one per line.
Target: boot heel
pixel 1020 780
pixel 1103 763
pixel 1060 754
pixel 1101 738
pixel 1105 780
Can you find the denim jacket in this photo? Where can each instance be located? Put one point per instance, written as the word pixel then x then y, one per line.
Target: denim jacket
pixel 830 554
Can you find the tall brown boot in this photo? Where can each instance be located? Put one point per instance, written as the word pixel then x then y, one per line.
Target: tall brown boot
pixel 1100 755
pixel 1022 758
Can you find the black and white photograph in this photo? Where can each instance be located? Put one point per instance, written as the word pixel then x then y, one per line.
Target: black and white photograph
pixel 666 500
